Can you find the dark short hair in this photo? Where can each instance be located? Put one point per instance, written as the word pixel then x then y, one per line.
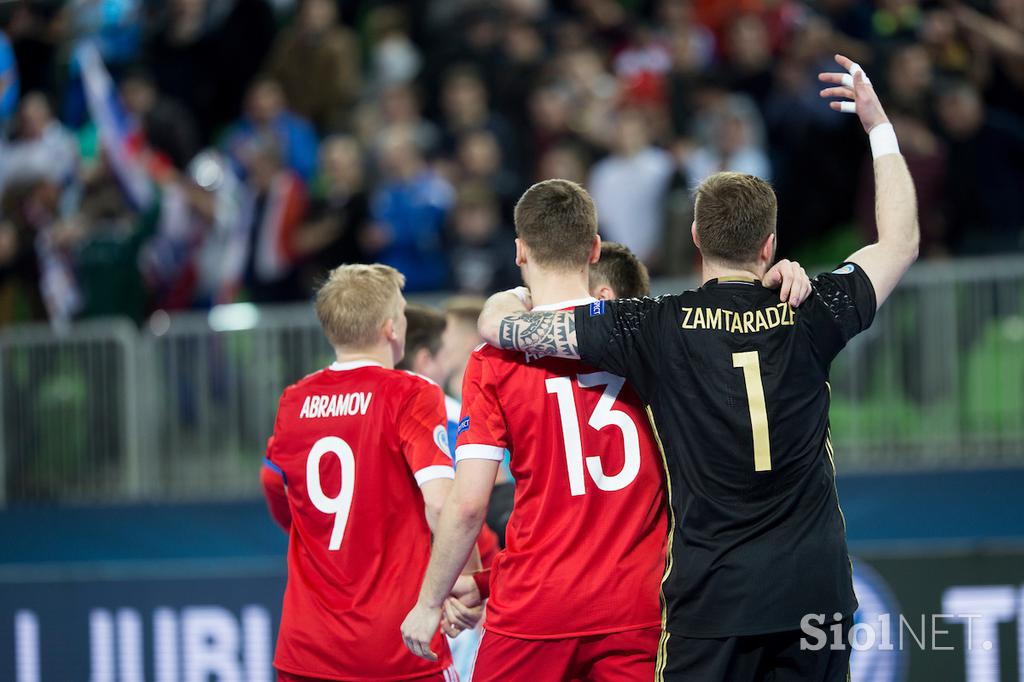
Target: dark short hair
pixel 620 269
pixel 734 213
pixel 557 221
pixel 426 325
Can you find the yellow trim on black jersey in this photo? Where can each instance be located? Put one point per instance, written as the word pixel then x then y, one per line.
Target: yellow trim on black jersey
pixel 659 667
pixel 830 450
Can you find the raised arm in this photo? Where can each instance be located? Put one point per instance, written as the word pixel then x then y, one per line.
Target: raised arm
pixel 887 260
pixel 507 323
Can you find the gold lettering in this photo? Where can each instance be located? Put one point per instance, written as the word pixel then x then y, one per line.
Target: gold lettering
pixel 748 322
pixel 762 321
pixel 737 326
pixel 774 319
pixel 698 319
pixel 785 313
pixel 714 318
pixel 686 320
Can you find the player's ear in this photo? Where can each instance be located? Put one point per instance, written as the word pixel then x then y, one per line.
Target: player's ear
pixel 595 250
pixel 767 254
pixel 604 293
pixel 520 252
pixel 389 330
pixel 693 233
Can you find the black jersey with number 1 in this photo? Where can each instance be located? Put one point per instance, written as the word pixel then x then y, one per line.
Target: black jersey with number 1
pixel 738 394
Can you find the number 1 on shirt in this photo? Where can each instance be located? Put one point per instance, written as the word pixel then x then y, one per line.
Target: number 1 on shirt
pixel 751 364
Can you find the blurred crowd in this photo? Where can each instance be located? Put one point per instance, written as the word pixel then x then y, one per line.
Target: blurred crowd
pixel 254 144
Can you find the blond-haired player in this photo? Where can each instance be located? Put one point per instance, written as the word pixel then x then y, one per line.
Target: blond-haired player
pixel 356 472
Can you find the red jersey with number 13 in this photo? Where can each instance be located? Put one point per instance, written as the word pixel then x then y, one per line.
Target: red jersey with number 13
pixel 586 540
pixel 354 442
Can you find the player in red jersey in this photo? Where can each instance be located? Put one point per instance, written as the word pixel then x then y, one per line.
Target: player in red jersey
pixel 575 593
pixel 359 451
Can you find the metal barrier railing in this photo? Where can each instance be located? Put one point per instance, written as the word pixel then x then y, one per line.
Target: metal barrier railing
pixel 182 408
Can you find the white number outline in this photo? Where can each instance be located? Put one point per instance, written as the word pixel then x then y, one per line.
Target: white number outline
pixel 340 505
pixel 603 415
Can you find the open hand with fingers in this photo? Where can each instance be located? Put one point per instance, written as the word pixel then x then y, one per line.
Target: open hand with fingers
pixel 855 86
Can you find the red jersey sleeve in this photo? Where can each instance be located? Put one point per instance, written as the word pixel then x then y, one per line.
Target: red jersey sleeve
pixel 483 433
pixel 276 495
pixel 275 483
pixel 423 431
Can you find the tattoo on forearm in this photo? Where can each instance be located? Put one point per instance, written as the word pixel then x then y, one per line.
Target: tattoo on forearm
pixel 543 333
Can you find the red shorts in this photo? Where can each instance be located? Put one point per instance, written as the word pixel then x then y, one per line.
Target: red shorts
pixel 615 657
pixel 446 675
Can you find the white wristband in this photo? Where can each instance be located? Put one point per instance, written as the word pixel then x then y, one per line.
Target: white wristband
pixel 883 140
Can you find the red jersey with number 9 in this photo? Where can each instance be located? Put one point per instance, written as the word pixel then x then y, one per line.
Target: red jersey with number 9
pixel 353 443
pixel 585 545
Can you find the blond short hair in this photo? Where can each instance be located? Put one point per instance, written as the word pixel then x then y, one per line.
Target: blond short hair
pixel 356 300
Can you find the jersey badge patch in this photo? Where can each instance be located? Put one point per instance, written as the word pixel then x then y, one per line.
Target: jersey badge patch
pixel 597 308
pixel 441 439
pixel 845 270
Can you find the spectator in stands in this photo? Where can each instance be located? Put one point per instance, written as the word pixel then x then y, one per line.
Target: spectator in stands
pixel 629 185
pixel 594 93
pixel 550 121
pixel 278 208
pixel 318 64
pixel 107 253
pixel 997 44
pixel 339 214
pixel 748 64
pixel 480 161
pixel 735 142
pixel 567 161
pixel 205 54
pixel 266 114
pixel 27 207
pixel 10 87
pixel 168 127
pixel 30 26
pixel 410 211
pixel 40 147
pixel 986 173
pixel 483 260
pixel 398 106
pixel 521 64
pixel 394 58
pixel 41 262
pixel 465 107
pixel 909 79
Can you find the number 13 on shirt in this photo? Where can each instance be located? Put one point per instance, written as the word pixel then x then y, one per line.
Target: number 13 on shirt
pixel 603 415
